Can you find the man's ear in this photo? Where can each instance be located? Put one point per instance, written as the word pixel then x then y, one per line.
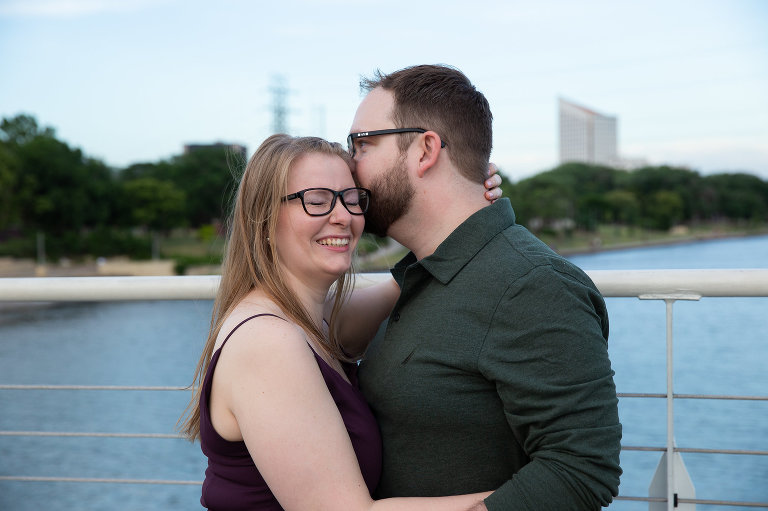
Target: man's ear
pixel 430 151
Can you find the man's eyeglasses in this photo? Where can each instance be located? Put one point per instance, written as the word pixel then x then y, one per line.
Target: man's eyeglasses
pixel 321 201
pixel 354 136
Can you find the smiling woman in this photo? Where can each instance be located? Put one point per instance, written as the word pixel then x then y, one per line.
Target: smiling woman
pixel 277 408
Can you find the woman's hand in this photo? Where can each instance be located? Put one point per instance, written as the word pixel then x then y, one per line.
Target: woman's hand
pixel 492 184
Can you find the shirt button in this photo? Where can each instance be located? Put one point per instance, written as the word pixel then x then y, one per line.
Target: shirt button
pixel 396 316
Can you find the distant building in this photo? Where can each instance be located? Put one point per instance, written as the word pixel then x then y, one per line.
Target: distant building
pixel 237 149
pixel 587 136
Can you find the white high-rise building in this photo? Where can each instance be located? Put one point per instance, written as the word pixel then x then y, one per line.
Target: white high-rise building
pixel 587 136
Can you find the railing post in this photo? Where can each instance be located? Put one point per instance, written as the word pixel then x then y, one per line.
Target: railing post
pixel 671 504
pixel 673 480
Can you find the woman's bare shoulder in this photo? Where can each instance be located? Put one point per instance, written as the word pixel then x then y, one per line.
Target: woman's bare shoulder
pixel 258 326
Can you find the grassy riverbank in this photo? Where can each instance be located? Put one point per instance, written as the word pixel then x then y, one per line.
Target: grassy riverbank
pixel 612 237
pixel 185 253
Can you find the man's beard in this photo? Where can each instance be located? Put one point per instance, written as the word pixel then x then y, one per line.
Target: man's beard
pixel 391 195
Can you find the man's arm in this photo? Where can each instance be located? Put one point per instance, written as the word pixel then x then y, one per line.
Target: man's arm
pixel 547 353
pixel 362 314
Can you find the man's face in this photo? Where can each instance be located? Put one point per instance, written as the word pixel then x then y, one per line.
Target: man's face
pixel 391 192
pixel 379 164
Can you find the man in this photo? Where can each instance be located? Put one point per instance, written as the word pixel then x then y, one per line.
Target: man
pixel 493 370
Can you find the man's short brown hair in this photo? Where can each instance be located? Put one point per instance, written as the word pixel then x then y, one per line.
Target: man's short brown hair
pixel 442 99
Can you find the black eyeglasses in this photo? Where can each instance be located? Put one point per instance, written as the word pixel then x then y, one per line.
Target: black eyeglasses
pixel 321 201
pixel 353 136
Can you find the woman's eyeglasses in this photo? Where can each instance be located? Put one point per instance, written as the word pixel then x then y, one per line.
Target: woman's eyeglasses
pixel 321 201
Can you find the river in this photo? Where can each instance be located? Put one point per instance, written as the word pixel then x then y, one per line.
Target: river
pixel 721 348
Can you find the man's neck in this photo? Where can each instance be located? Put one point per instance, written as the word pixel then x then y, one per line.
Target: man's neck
pixel 434 217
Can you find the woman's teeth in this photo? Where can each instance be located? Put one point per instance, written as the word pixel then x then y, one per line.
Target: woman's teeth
pixel 334 242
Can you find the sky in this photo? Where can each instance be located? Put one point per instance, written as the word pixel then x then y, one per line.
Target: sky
pixel 130 81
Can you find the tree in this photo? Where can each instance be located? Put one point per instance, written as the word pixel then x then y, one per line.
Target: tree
pixel 9 212
pixel 156 205
pixel 686 183
pixel 22 129
pixel 740 196
pixel 665 209
pixel 207 178
pixel 60 190
pixel 623 206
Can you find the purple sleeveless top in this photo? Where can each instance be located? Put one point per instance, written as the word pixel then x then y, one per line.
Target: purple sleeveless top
pixel 232 481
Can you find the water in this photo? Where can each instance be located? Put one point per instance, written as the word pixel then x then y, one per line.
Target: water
pixel 720 348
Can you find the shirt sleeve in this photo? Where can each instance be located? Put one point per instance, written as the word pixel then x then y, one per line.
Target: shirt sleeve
pixel 547 353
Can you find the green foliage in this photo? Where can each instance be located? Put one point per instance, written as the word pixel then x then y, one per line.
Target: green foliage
pixel 22 129
pixel 156 205
pixel 651 197
pixel 738 196
pixel 370 243
pixel 103 242
pixel 84 207
pixel 206 176
pixel 9 173
pixel 54 188
pixel 665 209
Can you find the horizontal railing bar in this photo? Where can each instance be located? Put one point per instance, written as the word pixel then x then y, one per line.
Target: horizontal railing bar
pixel 177 436
pixel 706 502
pixel 97 480
pixel 708 396
pixel 89 387
pixel 641 499
pixel 732 503
pixel 721 451
pixel 693 396
pixel 611 283
pixel 89 434
pixel 85 289
pixel 149 388
pixel 634 283
pixel 693 450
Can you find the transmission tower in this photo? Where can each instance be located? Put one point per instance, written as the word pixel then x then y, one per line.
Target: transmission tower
pixel 279 105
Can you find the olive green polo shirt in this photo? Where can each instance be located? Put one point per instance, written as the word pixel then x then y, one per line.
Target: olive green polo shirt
pixel 492 373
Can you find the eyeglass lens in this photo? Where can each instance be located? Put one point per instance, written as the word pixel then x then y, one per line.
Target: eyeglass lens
pixel 320 201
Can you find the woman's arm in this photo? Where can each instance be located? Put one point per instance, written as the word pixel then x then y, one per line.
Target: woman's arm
pixel 293 429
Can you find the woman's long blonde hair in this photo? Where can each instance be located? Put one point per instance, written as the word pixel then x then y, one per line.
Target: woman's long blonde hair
pixel 251 260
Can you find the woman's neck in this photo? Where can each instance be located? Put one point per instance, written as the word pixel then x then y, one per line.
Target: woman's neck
pixel 312 297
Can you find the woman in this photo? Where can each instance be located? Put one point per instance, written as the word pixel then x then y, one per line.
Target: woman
pixel 276 388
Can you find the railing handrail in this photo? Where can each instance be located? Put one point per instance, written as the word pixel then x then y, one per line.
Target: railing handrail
pixel 611 283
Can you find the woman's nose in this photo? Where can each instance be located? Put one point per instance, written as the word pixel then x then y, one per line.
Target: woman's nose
pixel 339 214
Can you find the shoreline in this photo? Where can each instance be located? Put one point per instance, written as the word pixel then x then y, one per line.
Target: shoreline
pixel 26 268
pixel 682 240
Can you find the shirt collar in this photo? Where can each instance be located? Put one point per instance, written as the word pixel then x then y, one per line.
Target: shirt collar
pixel 463 243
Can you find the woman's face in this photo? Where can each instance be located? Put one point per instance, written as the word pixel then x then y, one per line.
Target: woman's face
pixel 317 247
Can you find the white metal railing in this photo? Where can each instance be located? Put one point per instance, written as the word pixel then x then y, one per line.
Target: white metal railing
pixel 666 285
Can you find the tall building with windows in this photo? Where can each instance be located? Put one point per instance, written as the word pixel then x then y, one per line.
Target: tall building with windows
pixel 587 136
